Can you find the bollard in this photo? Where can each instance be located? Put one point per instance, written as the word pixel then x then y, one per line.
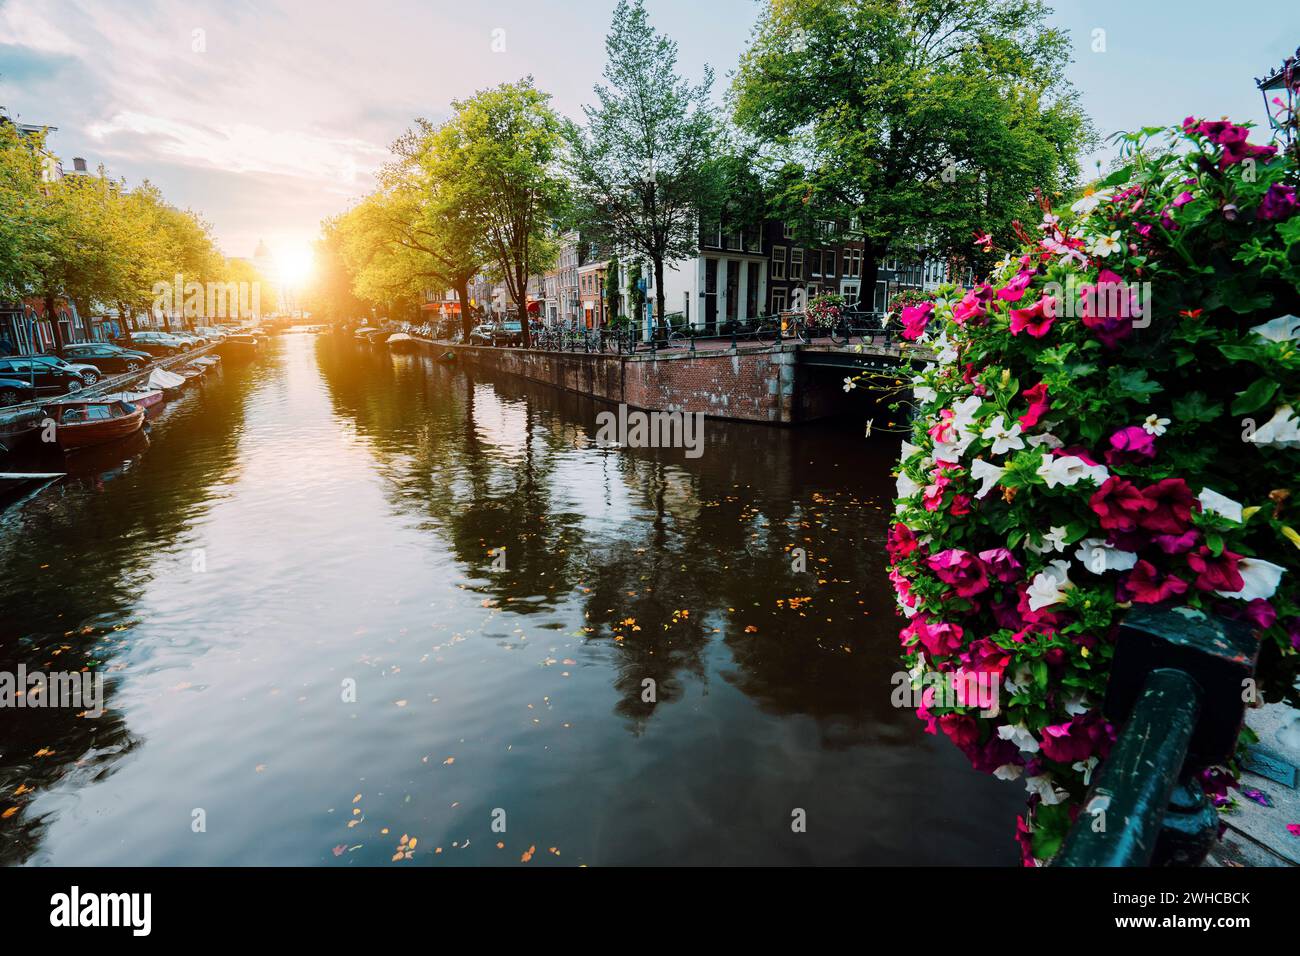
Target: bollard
pixel 1176 686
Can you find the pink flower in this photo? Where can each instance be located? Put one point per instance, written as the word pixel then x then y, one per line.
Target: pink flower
pixel 1109 308
pixel 1177 543
pixel 1036 320
pixel 1087 735
pixel 1001 564
pixel 900 543
pixel 1215 573
pixel 1145 585
pixel 1038 405
pixel 1172 503
pixel 939 639
pixel 1131 445
pixel 961 729
pixel 1119 504
pixel 1014 290
pixel 1182 199
pixel 915 318
pixel 1278 203
pixel 961 569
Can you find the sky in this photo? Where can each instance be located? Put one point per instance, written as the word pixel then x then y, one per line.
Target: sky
pixel 267 116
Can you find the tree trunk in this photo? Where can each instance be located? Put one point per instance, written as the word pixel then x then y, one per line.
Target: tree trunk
pixel 870 271
pixel 524 337
pixel 659 292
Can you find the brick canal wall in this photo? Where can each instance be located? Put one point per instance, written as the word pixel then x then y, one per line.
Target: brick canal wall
pixel 756 385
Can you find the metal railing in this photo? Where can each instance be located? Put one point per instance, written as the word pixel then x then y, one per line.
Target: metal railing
pixel 1176 687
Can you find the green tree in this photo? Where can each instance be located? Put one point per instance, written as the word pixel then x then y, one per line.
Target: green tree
pixel 613 293
pixel 916 122
pixel 496 162
pixel 643 169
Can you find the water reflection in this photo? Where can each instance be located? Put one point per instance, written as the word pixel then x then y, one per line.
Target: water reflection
pixel 351 505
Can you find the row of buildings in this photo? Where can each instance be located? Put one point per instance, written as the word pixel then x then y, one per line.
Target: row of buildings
pixel 736 277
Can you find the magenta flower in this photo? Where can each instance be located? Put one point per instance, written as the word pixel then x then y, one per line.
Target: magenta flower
pixel 1172 504
pixel 1109 308
pixel 1216 573
pixel 1087 735
pixel 1014 290
pixel 900 543
pixel 915 318
pixel 1145 585
pixel 1036 320
pixel 1131 445
pixel 939 639
pixel 1001 564
pixel 1278 203
pixel 1119 504
pixel 1182 199
pixel 1038 405
pixel 960 569
pixel 1177 543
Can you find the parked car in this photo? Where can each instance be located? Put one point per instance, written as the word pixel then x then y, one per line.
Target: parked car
pixel 112 359
pixel 211 332
pixel 48 378
pixel 192 339
pixel 155 343
pixel 482 334
pixel 13 391
pixel 89 373
pixel 508 333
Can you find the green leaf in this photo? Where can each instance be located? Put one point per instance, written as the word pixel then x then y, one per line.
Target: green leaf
pixel 1260 391
pixel 1196 407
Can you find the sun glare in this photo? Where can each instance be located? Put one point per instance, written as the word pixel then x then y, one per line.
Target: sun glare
pixel 294 266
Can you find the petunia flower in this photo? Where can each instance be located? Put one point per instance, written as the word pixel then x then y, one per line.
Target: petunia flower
pixel 1278 203
pixel 1214 503
pixel 1132 444
pixel 1049 586
pixel 1038 405
pixel 1004 439
pixel 1259 579
pixel 1283 429
pixel 1145 585
pixel 987 473
pixel 1285 328
pixel 1069 470
pixel 1036 320
pixel 1019 735
pixel 1098 556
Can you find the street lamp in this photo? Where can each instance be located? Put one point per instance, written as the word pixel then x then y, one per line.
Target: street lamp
pixel 1280 90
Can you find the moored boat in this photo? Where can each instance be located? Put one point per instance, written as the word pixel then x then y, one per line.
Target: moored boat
pixel 17 427
pixel 401 342
pixel 17 482
pixel 143 397
pixel 238 346
pixel 366 333
pixel 169 382
pixel 93 421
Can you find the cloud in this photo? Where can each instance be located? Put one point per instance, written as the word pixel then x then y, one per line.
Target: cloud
pixel 21 25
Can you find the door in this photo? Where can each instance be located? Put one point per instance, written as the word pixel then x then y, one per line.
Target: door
pixel 710 309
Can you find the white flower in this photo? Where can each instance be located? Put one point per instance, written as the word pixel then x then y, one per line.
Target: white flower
pixel 1085 767
pixel 1285 328
pixel 1098 556
pixel 1074 703
pixel 1049 586
pixel 1155 425
pixel 849 384
pixel 1282 429
pixel 1090 202
pixel 990 474
pixel 915 673
pixel 1259 579
pixel 1019 735
pixel 1046 438
pixel 1214 503
pixel 1004 439
pixel 1042 785
pixel 1020 681
pixel 1008 771
pixel 923 393
pixel 1054 540
pixel 905 486
pixel 1103 246
pixel 963 417
pixel 1068 470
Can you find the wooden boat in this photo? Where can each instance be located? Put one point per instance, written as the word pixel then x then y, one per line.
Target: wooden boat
pixel 401 342
pixel 94 421
pixel 238 346
pixel 17 427
pixel 143 397
pixel 366 334
pixel 192 372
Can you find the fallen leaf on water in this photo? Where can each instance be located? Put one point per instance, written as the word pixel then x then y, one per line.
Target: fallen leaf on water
pixel 357 798
pixel 528 854
pixel 8 813
pixel 449 761
pixel 340 849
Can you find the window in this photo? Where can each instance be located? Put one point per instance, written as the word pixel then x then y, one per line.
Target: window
pixel 754 239
pixel 713 236
pixel 852 263
pixel 735 241
pixel 796 263
pixel 778 301
pixel 828 262
pixel 778 262
pixel 814 263
pixel 787 230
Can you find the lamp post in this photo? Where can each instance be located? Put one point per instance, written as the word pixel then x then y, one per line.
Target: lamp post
pixel 1280 90
pixel 649 182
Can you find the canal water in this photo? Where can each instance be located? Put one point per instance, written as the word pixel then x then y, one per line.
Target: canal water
pixel 316 653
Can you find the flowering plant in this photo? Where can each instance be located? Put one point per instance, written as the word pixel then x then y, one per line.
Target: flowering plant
pixel 1108 420
pixel 901 300
pixel 825 309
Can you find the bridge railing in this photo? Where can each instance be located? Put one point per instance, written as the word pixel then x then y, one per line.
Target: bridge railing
pixel 1177 686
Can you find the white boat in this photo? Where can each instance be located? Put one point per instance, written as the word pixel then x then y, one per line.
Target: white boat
pixel 169 382
pixel 144 397
pixel 401 342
